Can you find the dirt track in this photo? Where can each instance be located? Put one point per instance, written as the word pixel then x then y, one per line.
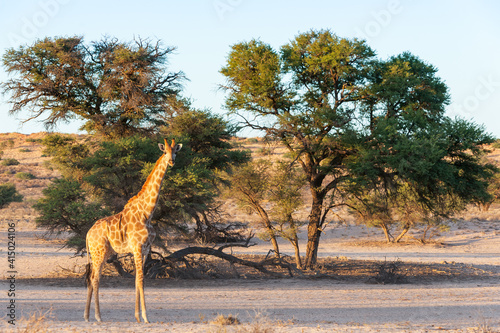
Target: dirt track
pixel 290 305
pixel 464 302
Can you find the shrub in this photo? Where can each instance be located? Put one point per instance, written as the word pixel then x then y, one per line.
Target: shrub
pixel 496 144
pixel 33 140
pixel 64 208
pixel 24 150
pixel 222 320
pixel 8 194
pixel 10 161
pixel 25 175
pixel 389 273
pixel 9 143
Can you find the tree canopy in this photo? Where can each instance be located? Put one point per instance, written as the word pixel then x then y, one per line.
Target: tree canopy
pixel 117 88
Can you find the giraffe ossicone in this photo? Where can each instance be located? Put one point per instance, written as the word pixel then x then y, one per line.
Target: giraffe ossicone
pixel 129 231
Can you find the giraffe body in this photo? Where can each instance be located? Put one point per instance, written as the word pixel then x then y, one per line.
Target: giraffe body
pixel 129 231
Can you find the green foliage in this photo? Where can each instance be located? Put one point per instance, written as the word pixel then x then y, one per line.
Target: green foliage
pixel 422 174
pixel 110 170
pixel 117 88
pixel 9 143
pixel 286 183
pixel 493 191
pixel 405 86
pixel 24 150
pixel 496 144
pixel 8 194
pixel 258 182
pixel 189 193
pixel 205 134
pixel 272 191
pixel 34 140
pixel 249 185
pixel 25 175
pixel 64 208
pixel 10 161
pixel 66 154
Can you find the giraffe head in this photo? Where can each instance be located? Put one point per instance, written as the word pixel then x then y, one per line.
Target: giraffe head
pixel 170 151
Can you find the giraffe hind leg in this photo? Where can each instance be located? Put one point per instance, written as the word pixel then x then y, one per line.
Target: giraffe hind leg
pixel 98 259
pixel 88 274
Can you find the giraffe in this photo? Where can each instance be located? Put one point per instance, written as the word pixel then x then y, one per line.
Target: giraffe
pixel 129 231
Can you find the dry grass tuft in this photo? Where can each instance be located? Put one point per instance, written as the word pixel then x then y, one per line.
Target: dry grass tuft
pixel 36 323
pixel 222 320
pixel 259 324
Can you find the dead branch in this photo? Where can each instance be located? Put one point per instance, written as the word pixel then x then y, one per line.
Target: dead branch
pixel 238 244
pixel 179 255
pixel 158 266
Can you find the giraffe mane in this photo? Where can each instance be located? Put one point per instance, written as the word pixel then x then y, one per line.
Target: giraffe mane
pixel 143 189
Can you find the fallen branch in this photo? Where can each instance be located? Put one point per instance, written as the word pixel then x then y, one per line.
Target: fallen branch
pixel 158 266
pixel 179 255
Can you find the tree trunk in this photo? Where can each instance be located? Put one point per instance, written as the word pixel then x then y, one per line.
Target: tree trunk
pixel 313 232
pixel 484 207
pixel 403 232
pixel 270 229
pixel 387 233
pixel 295 243
pixel 274 242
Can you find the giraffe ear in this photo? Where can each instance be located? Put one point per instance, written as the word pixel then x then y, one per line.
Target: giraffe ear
pixel 178 147
pixel 162 147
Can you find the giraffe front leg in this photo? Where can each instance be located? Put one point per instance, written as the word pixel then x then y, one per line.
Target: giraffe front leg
pixel 139 288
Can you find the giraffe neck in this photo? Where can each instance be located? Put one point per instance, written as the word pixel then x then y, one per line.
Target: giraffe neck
pixel 145 201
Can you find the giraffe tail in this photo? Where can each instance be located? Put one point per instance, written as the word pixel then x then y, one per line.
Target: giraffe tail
pixel 88 267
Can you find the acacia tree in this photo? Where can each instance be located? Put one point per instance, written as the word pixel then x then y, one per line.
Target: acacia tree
pixel 326 98
pixel 414 165
pixel 207 150
pixel 285 193
pixel 306 97
pixel 249 186
pixel 272 191
pixel 117 88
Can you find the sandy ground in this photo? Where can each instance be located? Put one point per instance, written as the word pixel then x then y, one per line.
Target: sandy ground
pixel 266 305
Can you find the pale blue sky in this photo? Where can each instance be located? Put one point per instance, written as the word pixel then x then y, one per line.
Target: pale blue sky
pixel 460 38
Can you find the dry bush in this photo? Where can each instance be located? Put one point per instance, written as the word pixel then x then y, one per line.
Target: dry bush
pixel 36 323
pixel 222 320
pixel 389 273
pixel 259 324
